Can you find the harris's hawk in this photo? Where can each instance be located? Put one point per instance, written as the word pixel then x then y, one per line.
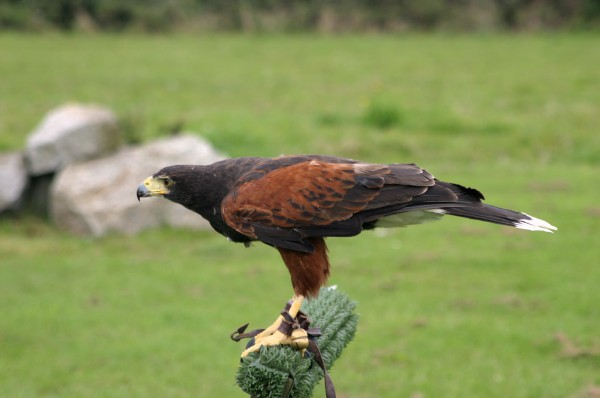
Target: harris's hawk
pixel 294 202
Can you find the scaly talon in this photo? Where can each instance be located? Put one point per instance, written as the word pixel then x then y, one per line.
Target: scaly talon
pixel 271 329
pixel 277 338
pixel 274 336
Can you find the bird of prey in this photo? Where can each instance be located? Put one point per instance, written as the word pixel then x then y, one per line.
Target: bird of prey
pixel 293 203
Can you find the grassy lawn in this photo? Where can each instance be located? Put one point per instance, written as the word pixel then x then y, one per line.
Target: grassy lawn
pixel 449 309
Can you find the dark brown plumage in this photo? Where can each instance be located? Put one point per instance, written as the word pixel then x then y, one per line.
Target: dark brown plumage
pixel 294 202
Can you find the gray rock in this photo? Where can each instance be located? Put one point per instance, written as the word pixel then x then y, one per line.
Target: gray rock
pixel 13 181
pixel 98 197
pixel 70 134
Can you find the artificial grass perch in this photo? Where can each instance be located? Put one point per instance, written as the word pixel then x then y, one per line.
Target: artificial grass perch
pixel 282 372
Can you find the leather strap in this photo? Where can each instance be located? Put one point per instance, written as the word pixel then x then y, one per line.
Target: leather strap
pixel 314 349
pixel 239 335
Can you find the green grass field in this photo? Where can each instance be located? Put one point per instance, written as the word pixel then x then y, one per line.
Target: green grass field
pixel 449 309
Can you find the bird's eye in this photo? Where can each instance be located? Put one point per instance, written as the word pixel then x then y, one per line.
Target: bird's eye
pixel 167 182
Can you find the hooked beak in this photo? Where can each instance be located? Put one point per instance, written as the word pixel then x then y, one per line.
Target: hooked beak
pixel 151 187
pixel 142 192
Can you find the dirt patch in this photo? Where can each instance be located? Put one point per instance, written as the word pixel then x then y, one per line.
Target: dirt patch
pixel 593 211
pixel 591 391
pixel 573 349
pixel 550 186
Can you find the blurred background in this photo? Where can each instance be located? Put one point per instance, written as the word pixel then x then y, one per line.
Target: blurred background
pixel 103 297
pixel 275 16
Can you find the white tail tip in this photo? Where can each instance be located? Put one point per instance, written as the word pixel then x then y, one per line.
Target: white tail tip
pixel 534 224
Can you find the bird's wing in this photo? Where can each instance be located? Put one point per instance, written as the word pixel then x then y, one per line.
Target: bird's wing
pixel 317 198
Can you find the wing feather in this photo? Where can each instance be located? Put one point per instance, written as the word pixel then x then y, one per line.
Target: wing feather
pixel 318 198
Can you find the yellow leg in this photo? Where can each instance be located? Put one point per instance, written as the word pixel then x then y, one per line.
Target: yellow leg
pixel 271 335
pixel 296 304
pixel 271 329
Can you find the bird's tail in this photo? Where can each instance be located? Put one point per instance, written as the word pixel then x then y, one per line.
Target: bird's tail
pixel 497 215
